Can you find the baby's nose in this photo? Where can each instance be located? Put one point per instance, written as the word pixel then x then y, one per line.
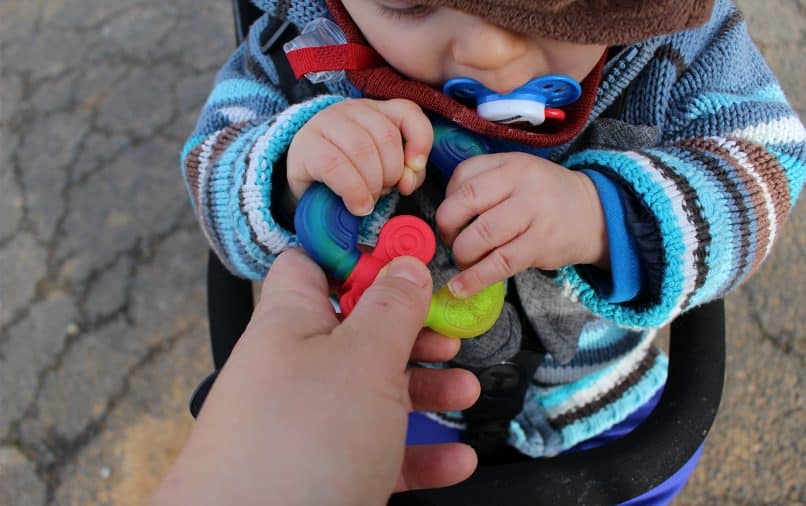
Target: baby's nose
pixel 482 46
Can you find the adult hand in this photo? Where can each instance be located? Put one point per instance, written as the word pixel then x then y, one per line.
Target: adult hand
pixel 312 411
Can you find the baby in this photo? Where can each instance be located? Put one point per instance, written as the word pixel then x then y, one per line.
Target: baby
pixel 664 188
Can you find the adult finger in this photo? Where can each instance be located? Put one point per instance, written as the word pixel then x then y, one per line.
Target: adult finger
pixel 431 346
pixel 490 230
pixel 434 466
pixel 390 314
pixel 294 301
pixel 475 196
pixel 502 263
pixel 442 389
pixel 415 127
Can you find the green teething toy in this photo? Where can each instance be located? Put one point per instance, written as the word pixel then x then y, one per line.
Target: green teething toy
pixel 465 318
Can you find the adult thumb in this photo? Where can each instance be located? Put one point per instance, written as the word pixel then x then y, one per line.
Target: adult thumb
pixel 391 312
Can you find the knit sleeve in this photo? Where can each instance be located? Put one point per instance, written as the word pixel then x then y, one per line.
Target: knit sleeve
pixel 242 135
pixel 724 178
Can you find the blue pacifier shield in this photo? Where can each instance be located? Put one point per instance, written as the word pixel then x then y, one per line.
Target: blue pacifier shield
pixel 530 103
pixel 554 90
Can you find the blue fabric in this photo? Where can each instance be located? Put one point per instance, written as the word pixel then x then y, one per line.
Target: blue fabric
pixel 625 280
pixel 424 431
pixel 620 429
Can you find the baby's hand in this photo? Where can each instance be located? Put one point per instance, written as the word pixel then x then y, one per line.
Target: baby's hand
pixel 528 212
pixel 360 149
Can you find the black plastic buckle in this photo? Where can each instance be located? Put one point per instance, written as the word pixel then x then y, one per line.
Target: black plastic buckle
pixel 503 388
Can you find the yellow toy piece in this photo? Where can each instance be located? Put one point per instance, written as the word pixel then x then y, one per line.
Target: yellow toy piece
pixel 465 318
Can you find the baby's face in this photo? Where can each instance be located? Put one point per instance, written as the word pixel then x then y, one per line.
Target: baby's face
pixel 436 44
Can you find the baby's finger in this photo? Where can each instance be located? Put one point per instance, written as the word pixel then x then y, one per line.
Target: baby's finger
pixel 442 389
pixel 388 142
pixel 359 147
pixel 432 346
pixel 415 127
pixel 410 181
pixel 491 229
pixel 335 169
pixel 471 168
pixel 471 199
pixel 499 265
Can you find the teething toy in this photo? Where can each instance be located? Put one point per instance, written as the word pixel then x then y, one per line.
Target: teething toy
pixel 329 234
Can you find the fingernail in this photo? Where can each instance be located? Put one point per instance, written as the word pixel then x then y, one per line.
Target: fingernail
pixel 409 270
pixel 418 163
pixel 367 207
pixel 411 178
pixel 455 287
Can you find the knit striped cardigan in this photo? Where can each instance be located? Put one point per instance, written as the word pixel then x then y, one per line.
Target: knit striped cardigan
pixel 720 183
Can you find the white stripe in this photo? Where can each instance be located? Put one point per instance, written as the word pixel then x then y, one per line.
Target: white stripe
pixel 778 131
pixel 626 365
pixel 690 242
pixel 268 234
pixel 238 114
pixel 742 160
pixel 271 235
pixel 205 155
pixel 443 421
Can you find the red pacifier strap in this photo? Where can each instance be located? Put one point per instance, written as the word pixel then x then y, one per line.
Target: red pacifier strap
pixel 348 56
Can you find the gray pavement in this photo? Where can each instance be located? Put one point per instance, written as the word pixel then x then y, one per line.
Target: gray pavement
pixel 102 329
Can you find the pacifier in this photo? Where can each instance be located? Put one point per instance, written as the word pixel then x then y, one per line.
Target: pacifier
pixel 533 103
pixel 329 234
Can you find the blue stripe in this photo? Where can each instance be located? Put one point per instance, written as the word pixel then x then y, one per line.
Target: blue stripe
pixel 258 259
pixel 713 103
pixel 555 395
pixel 596 334
pixel 189 145
pixel 613 413
pixel 241 91
pixel 225 205
pixel 795 170
pixel 714 204
pixel 721 209
pixel 661 206
pixel 558 395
